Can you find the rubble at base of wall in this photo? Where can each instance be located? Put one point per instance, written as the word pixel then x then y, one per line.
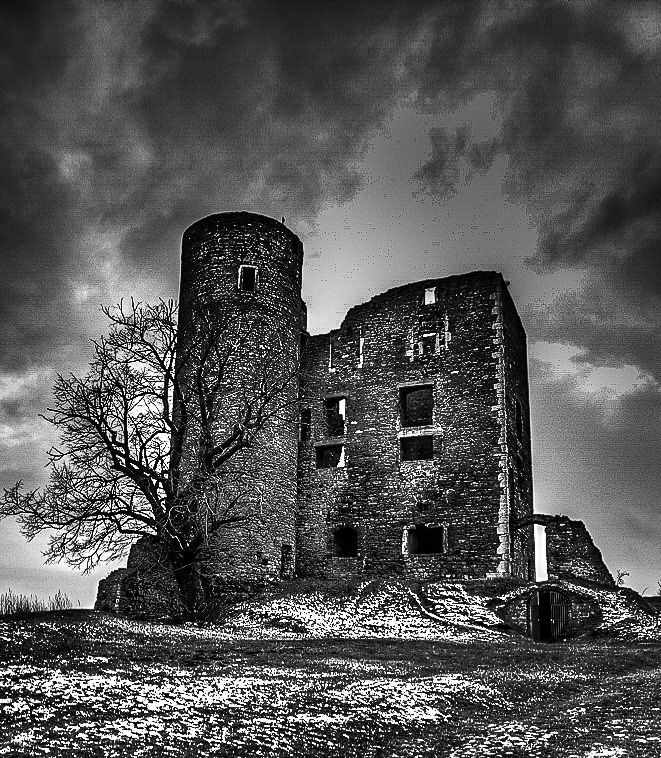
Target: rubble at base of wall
pixel 140 594
pixel 146 589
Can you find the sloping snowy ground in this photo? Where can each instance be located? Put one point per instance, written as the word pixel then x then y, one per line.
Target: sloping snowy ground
pixel 100 686
pixel 376 609
pixel 623 617
pixel 389 608
pixel 388 670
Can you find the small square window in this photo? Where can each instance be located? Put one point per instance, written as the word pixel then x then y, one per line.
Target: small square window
pixel 248 278
pixel 417 448
pixel 417 405
pixel 330 456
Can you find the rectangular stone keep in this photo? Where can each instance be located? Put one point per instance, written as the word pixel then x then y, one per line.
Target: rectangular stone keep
pixel 378 498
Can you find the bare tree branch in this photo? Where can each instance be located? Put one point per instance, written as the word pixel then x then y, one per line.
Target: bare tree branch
pixel 147 436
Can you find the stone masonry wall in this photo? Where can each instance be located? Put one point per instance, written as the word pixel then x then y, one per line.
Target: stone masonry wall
pixel 147 588
pixel 570 552
pixel 455 345
pixel 516 448
pixel 266 323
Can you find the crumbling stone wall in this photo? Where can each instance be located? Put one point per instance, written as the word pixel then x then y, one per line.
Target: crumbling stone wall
pixel 460 337
pixel 413 440
pixel 146 588
pixel 570 552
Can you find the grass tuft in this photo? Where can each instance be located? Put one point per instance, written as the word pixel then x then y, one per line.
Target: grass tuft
pixel 12 604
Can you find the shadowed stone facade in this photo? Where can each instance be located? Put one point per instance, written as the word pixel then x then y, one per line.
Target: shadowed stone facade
pixel 411 455
pixel 432 444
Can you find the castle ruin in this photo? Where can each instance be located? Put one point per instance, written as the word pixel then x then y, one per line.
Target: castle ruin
pixel 410 454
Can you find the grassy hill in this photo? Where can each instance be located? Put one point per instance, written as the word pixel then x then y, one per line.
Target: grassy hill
pixel 382 669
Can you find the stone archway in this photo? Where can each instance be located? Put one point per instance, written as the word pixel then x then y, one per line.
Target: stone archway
pixel 549 614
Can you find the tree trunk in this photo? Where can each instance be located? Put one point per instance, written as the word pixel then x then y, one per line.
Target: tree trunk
pixel 194 592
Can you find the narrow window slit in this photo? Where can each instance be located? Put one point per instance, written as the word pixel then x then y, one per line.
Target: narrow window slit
pixel 248 278
pixel 335 416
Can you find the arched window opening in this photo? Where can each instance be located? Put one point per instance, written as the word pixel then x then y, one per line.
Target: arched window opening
pixel 426 540
pixel 346 542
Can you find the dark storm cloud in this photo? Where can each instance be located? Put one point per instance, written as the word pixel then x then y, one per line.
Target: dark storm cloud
pixel 441 174
pixel 578 86
pixel 124 122
pixel 33 200
pixel 271 113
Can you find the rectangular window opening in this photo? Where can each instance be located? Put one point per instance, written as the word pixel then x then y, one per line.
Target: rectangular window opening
pixel 428 344
pixel 335 416
pixel 430 295
pixel 417 405
pixel 417 448
pixel 248 278
pixel 361 346
pixel 425 540
pixel 330 456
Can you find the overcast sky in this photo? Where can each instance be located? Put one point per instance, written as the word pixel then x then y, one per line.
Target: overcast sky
pixel 401 140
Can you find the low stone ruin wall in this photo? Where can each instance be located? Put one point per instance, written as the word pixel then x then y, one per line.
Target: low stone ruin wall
pixel 570 552
pixel 146 589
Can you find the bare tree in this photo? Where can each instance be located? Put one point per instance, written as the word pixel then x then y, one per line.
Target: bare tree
pixel 147 438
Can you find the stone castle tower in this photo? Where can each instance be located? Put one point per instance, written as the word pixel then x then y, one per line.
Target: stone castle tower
pixel 403 447
pixel 244 271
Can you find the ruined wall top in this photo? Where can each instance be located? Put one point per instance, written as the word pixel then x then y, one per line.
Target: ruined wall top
pixel 404 291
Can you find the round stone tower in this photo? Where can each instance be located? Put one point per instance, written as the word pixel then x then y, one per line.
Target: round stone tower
pixel 241 277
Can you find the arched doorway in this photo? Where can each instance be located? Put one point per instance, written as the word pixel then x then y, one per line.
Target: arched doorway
pixel 548 615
